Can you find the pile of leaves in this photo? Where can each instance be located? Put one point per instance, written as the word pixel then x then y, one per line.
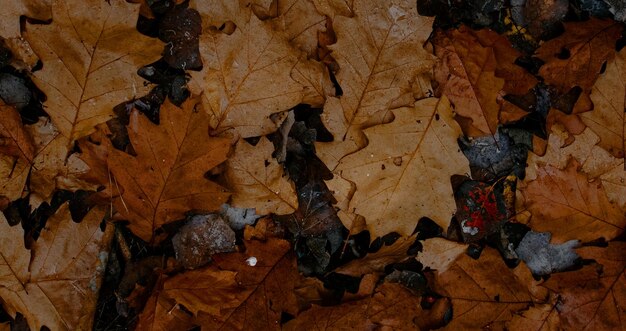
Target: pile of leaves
pixel 312 164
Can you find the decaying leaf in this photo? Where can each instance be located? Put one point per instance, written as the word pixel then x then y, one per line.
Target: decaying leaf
pixel 608 95
pixel 56 283
pixel 246 75
pixel 439 254
pixel 466 75
pixel 566 204
pixel 574 60
pixel 404 173
pixel 14 139
pixel 485 293
pixel 379 64
pixel 593 298
pixel 166 177
pixel 391 307
pixel 258 181
pixel 377 261
pixel 12 10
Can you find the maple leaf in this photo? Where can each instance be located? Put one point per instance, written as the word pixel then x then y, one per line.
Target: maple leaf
pixel 332 8
pixel 575 59
pixel 246 74
pixel 378 68
pixel 593 298
pixel 404 173
pixel 487 286
pixel 392 307
pixel 566 204
pixel 608 95
pixel 56 283
pixel 166 177
pixel 258 181
pixel 467 76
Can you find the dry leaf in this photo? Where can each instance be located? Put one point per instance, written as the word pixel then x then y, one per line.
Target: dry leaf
pixel 377 261
pixel 467 76
pixel 566 204
pixel 608 95
pixel 87 67
pixel 258 181
pixel 575 58
pixel 542 317
pixel 331 8
pixel 593 298
pixel 391 307
pixel 246 74
pixel 485 293
pixel 166 178
pixel 404 173
pixel 55 284
pixel 378 67
pixel 12 10
pixel 14 139
pixel 439 253
pixel 163 314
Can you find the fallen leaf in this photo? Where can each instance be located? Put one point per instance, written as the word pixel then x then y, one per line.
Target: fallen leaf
pixel 575 59
pixel 391 307
pixel 537 317
pixel 485 293
pixel 593 298
pixel 466 74
pixel 163 314
pixel 56 283
pixel 246 75
pixel 566 204
pixel 404 173
pixel 166 177
pixel 258 181
pixel 87 68
pixel 378 67
pixel 14 9
pixel 14 139
pixel 439 253
pixel 377 261
pixel 608 95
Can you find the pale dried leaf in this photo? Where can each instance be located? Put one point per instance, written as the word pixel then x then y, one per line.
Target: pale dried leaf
pixel 377 261
pixel 258 181
pixel 439 253
pixel 59 288
pixel 380 53
pixel 404 173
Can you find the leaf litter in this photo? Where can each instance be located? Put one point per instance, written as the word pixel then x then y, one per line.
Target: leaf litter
pixel 282 164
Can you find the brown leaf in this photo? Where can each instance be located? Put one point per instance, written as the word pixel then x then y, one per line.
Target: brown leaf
pixel 378 68
pixel 55 284
pixel 575 58
pixel 485 292
pixel 87 68
pixel 166 178
pixel 14 140
pixel 377 261
pixel 13 10
pixel 566 204
pixel 466 75
pixel 258 181
pixel 439 254
pixel 419 143
pixel 161 313
pixel 246 74
pixel 537 317
pixel 594 298
pixel 608 95
pixel 391 307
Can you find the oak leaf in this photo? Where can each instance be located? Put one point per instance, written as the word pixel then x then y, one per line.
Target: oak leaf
pixel 404 173
pixel 87 68
pixel 377 261
pixel 17 151
pixel 379 64
pixel 565 203
pixel 608 95
pixel 575 59
pixel 593 298
pixel 391 307
pixel 246 73
pixel 56 283
pixel 13 10
pixel 466 74
pixel 485 293
pixel 166 177
pixel 258 181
